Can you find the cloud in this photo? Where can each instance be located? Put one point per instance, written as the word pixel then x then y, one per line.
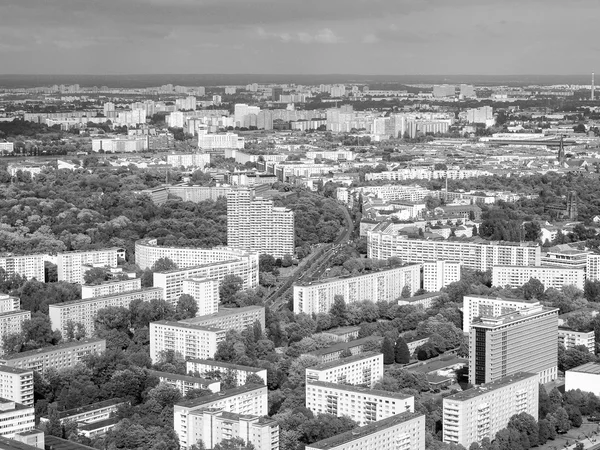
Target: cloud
pixel 324 36
pixel 393 33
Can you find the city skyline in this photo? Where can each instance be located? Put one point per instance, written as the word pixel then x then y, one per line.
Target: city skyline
pixel 267 36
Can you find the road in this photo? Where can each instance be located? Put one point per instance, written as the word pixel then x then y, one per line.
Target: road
pixel 314 267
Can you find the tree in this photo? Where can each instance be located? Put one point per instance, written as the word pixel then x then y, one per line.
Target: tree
pixel 546 431
pixel 254 379
pixel 533 289
pixel 236 443
pixel 401 351
pixel 96 275
pixel 165 395
pixel 346 353
pixel 230 285
pixel 532 231
pixel 54 425
pixel 186 308
pixel 405 292
pixel 338 311
pixel 525 424
pixel 562 420
pixel 544 403
pixel 163 265
pixel 591 290
pixel 387 348
pixel 266 263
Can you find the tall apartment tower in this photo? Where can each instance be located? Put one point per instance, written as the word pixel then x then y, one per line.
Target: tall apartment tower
pixel 254 224
pixel 520 341
pixel 593 88
pixel 572 201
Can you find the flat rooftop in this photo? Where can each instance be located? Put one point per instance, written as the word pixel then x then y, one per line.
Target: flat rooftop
pixel 225 312
pixel 52 348
pixel 55 443
pixel 225 365
pixel 15 370
pixel 489 387
pixel 99 424
pixel 591 368
pixel 220 395
pixel 342 361
pixel 349 277
pixel 515 316
pixel 437 365
pixel 344 346
pixel 104 297
pixel 176 376
pixel 359 389
pixel 10 444
pixel 359 433
pixel 189 326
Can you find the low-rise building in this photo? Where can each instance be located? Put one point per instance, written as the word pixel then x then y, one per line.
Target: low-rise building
pixel 58 356
pixel 95 429
pixel 209 368
pixel 585 377
pixel 249 399
pixel 94 412
pixel 16 385
pixel 186 383
pixel 404 431
pixel 480 412
pixel 334 352
pixel 343 334
pixel 365 369
pixel 424 300
pixel 570 338
pixel 212 425
pixel 189 341
pixel 363 405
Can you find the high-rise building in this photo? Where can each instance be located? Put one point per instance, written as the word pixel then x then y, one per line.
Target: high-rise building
pixel 363 405
pixel 384 285
pixel 254 224
pixel 501 346
pixel 366 368
pixel 467 91
pixel 483 306
pixel 205 292
pixel 69 264
pixel 480 412
pixel 189 341
pixel 16 385
pixel 484 115
pixel 28 266
pixel 404 431
pixel 439 274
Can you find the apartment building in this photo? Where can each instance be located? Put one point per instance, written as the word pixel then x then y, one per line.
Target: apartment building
pixel 593 267
pixel 58 356
pixel 501 346
pixel 424 300
pixel 16 385
pixel 254 224
pixel 8 303
pixel 383 285
pixel 250 399
pixel 28 266
pixel 190 341
pixel 212 425
pixel 193 194
pixel 396 192
pixel 85 311
pixel 237 319
pixel 476 254
pixel 365 369
pixel 404 431
pixel 483 306
pixel 565 256
pixel 342 334
pixel 94 412
pixel 12 322
pixel 186 383
pixel 363 405
pixel 147 252
pixel 585 377
pixel 110 288
pixel 439 274
pixel 569 338
pixel 207 368
pixel 334 352
pixel 69 264
pixel 187 160
pixel 15 418
pixel 550 277
pixel 206 293
pixel 480 412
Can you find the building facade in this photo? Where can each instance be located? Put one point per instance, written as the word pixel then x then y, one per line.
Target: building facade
pixel 185 383
pixel 190 341
pixel 501 346
pixel 206 293
pixel 363 405
pixel 15 418
pixel 28 266
pixel 480 412
pixel 439 274
pixel 365 369
pixel 384 285
pixel 63 315
pixel 208 368
pixel 254 224
pixel 404 431
pixel 16 385
pixel 585 377
pixel 569 338
pixel 110 288
pixel 550 277
pixel 237 319
pixel 69 263
pixel 59 356
pixel 12 322
pixel 483 306
pixel 475 254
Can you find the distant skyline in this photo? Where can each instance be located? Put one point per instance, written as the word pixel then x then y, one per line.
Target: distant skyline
pixel 386 37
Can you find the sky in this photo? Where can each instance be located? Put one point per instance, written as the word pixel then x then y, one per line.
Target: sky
pixel 379 37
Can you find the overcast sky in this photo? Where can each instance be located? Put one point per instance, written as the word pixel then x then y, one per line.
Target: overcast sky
pixel 299 36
